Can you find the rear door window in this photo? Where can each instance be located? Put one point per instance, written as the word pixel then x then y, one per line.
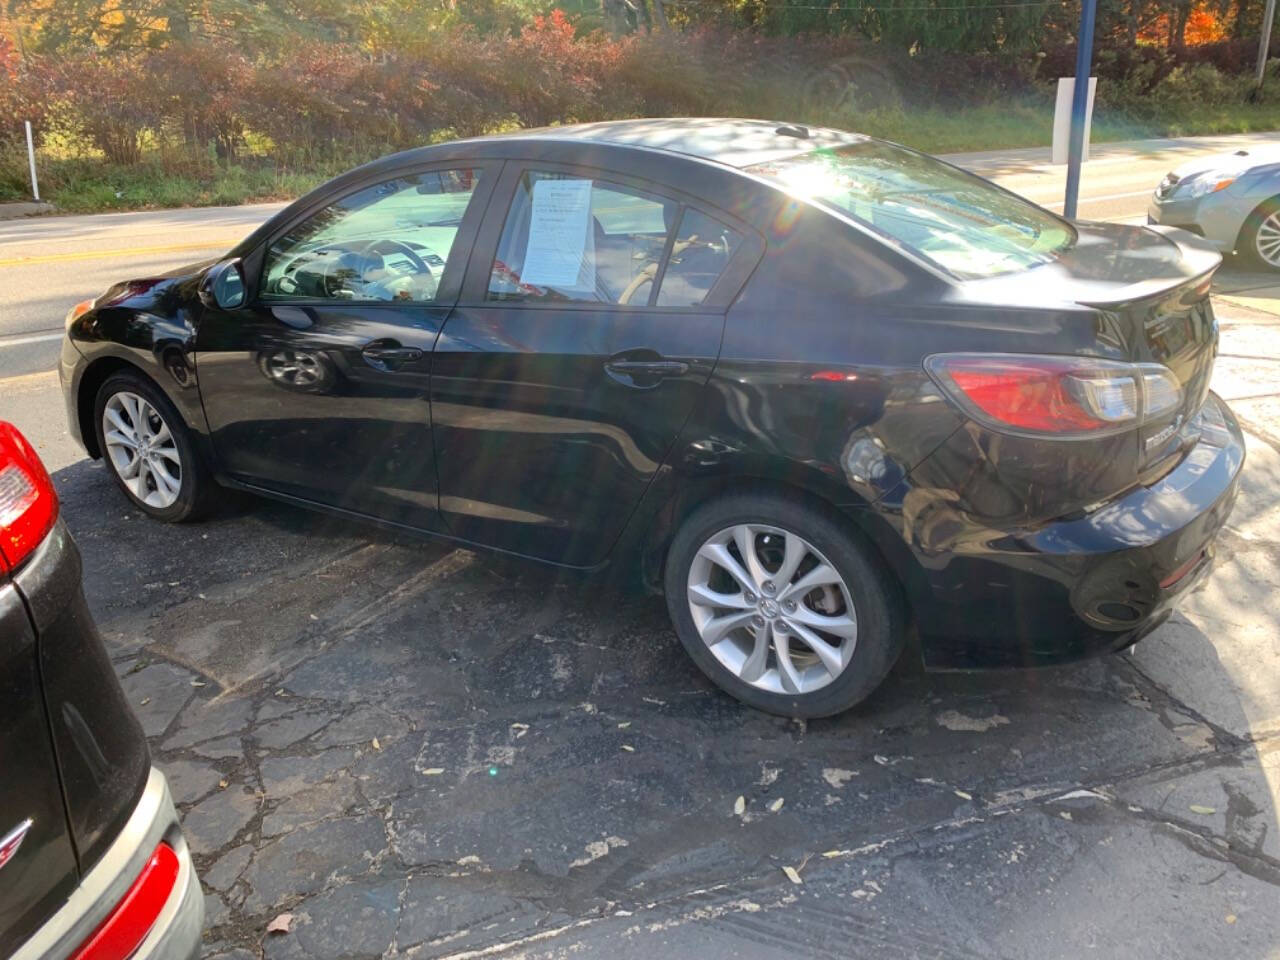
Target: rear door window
pixel 572 238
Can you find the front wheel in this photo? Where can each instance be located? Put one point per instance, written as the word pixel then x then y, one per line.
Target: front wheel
pixel 781 607
pixel 1260 236
pixel 149 451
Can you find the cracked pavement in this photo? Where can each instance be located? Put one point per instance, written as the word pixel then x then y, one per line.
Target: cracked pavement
pixel 418 751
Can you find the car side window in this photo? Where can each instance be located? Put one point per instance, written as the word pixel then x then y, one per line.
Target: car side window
pixel 386 242
pixel 703 248
pixel 572 238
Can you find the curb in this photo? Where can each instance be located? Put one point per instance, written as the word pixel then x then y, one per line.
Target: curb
pixel 25 208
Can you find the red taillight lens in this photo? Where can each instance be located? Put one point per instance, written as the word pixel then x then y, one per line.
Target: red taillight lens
pixel 120 934
pixel 28 504
pixel 1065 397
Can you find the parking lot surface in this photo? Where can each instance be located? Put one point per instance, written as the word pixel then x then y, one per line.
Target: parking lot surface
pixel 414 750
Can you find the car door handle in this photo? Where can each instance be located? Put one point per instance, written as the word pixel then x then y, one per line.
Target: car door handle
pixel 382 355
pixel 647 369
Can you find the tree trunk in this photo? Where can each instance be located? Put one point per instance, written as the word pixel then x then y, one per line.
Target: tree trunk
pixel 660 16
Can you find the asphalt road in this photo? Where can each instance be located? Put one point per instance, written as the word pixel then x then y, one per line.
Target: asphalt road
pixel 419 752
pixel 49 263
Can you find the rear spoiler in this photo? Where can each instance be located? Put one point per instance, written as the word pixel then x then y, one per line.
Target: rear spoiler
pixel 1200 260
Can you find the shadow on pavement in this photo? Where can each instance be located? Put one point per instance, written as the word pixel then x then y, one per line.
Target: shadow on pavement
pixel 415 750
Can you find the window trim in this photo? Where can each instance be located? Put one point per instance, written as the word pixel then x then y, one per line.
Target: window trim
pixel 475 284
pixel 453 273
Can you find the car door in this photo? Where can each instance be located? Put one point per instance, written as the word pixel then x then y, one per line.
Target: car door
pixel 318 387
pixel 590 321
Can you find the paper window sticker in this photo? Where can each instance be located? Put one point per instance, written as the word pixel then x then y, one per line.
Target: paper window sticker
pixel 557 253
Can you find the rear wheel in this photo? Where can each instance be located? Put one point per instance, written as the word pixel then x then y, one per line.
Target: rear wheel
pixel 781 607
pixel 1260 236
pixel 149 450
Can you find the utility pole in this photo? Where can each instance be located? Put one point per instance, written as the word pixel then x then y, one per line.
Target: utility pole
pixel 1264 45
pixel 1080 103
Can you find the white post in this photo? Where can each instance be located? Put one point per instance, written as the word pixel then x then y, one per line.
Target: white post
pixel 31 158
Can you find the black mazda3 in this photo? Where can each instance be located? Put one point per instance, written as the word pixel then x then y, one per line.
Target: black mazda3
pixel 812 386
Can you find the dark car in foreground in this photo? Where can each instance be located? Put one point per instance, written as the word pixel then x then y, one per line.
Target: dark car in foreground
pixel 806 383
pixel 93 865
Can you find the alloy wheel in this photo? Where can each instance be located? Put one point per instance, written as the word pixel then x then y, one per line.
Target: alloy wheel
pixel 1267 240
pixel 772 609
pixel 142 449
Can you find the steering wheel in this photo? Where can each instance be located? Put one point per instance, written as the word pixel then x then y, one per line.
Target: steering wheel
pixel 358 261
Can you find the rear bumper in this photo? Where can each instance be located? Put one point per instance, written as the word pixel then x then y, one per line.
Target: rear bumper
pixel 175 935
pixel 1089 585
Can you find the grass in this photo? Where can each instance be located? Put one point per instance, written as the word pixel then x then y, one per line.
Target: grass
pixel 84 185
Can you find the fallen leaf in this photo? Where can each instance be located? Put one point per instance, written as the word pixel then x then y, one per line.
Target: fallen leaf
pixel 776 805
pixel 963 796
pixel 144 701
pixel 433 771
pixel 629 748
pixel 314 617
pixel 281 923
pixel 1064 815
pixel 201 596
pixel 519 729
pixel 832 853
pixel 624 725
pixel 740 806
pixel 792 875
pixel 1202 809
pixel 222 784
pixel 1231 918
pixel 375 744
pixel 198 683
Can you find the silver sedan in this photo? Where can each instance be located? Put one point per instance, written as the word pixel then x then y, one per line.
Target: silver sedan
pixel 1230 199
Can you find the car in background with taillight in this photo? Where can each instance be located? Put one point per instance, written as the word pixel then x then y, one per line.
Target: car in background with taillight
pixel 93 864
pixel 1230 199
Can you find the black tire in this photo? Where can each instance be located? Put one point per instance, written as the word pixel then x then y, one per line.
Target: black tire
pixel 876 597
pixel 197 487
pixel 1247 246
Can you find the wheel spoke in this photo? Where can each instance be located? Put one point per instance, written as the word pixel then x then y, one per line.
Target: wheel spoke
pixel 841 625
pixel 165 481
pixel 745 537
pixel 119 422
pixel 115 438
pixel 786 668
pixel 131 469
pixel 827 653
pixel 753 669
pixel 715 630
pixel 702 594
pixel 820 576
pixel 719 554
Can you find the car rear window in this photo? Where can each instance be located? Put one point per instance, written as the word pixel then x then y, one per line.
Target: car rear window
pixel 965 225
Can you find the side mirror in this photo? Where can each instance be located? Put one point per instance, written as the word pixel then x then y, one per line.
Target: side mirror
pixel 223 286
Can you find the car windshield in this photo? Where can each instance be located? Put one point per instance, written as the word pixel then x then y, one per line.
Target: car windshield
pixel 960 222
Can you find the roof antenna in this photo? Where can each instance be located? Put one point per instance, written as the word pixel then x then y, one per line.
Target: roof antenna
pixel 793 130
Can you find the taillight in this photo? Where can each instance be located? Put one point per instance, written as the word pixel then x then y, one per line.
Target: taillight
pixel 124 929
pixel 1051 396
pixel 28 504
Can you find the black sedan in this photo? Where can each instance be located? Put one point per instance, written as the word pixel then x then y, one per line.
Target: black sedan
pixel 93 865
pixel 808 384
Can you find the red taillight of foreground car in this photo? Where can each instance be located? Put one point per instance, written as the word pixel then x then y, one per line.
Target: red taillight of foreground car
pixel 28 504
pixel 1051 396
pixel 124 929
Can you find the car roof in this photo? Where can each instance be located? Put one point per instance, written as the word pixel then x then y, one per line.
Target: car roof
pixel 735 143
